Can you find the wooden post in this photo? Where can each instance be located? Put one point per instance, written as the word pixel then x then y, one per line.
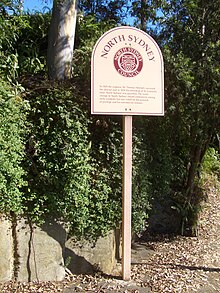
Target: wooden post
pixel 126 197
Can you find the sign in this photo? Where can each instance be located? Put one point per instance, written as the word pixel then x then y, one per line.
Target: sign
pixel 127 79
pixel 127 74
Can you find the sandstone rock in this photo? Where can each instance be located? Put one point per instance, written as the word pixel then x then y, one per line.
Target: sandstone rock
pixel 87 257
pixel 6 250
pixel 32 253
pixel 40 252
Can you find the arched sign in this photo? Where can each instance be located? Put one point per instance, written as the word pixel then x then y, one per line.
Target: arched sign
pixel 127 74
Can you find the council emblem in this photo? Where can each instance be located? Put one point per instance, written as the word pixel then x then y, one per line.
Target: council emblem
pixel 128 62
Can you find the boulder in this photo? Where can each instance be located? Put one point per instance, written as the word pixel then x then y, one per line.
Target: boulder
pixel 87 257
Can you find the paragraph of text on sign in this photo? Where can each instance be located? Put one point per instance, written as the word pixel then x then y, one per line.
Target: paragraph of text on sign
pixel 125 94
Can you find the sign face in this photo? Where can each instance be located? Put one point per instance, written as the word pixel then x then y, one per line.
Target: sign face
pixel 127 74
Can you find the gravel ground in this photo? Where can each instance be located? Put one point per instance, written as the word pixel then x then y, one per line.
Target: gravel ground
pixel 159 264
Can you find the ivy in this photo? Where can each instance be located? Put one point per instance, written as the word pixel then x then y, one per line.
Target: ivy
pixel 12 130
pixel 72 164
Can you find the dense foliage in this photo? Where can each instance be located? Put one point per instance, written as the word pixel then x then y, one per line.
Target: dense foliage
pixel 23 44
pixel 191 37
pixel 71 169
pixel 12 128
pixel 104 10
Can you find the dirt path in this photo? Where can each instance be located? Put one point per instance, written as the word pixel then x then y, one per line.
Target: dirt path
pixel 185 264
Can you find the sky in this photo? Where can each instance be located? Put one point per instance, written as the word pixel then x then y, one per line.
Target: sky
pixel 38 5
pixel 44 5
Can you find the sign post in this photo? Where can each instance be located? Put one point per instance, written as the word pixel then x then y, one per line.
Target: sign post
pixel 127 79
pixel 126 197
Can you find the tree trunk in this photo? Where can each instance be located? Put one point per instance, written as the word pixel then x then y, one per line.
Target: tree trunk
pixel 61 39
pixel 193 169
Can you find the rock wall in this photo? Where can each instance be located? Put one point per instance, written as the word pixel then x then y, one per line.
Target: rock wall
pixel 32 253
pixel 6 250
pixel 40 251
pixel 88 257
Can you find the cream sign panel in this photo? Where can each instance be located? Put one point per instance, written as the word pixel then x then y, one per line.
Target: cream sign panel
pixel 127 74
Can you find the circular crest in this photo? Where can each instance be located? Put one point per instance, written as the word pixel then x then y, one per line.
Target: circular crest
pixel 128 62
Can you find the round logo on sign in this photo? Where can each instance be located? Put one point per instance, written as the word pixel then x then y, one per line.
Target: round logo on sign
pixel 128 62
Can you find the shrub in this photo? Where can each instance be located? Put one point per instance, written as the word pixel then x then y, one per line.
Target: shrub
pixel 72 168
pixel 211 162
pixel 12 130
